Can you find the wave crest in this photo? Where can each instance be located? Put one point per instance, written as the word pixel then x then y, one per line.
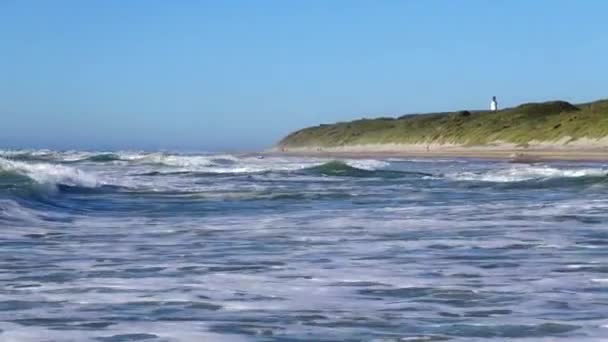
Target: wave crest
pixel 50 174
pixel 527 173
pixel 359 168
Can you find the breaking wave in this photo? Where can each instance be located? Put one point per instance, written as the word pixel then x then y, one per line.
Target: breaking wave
pixel 46 174
pixel 25 155
pixel 104 157
pixel 163 163
pixel 11 211
pixel 358 169
pixel 530 174
pixel 140 172
pixel 192 162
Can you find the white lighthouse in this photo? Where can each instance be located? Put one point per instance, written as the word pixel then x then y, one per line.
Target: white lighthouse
pixel 493 104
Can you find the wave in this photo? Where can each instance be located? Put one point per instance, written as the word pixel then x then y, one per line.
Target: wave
pixel 186 161
pixel 255 165
pixel 58 156
pixel 11 211
pixel 163 163
pixel 71 157
pixel 28 155
pixel 350 169
pixel 338 168
pixel 168 164
pixel 530 174
pixel 46 174
pixel 104 157
pixel 225 165
pixel 157 158
pixel 99 157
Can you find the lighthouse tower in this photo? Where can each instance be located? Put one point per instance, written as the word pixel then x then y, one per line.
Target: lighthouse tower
pixel 493 104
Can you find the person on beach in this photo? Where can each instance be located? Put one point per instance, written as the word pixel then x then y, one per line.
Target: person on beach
pixel 493 104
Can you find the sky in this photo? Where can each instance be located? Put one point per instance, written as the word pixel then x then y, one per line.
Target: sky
pixel 239 75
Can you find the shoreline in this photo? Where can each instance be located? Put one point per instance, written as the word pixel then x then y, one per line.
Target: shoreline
pixel 596 151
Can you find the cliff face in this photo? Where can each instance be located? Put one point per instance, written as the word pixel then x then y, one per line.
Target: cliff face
pixel 531 122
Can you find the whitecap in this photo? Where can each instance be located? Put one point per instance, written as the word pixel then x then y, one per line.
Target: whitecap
pixel 600 280
pixel 367 164
pixel 51 174
pixel 524 173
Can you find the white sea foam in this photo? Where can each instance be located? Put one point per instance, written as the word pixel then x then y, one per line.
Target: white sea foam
pixel 73 156
pixel 211 163
pixel 524 173
pixel 50 174
pixel 298 258
pixel 59 156
pixel 367 164
pixel 16 219
pixel 226 163
pixel 167 331
pixel 600 280
pixel 11 210
pixel 177 160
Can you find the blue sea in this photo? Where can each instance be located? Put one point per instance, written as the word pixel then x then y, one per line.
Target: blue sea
pixel 139 246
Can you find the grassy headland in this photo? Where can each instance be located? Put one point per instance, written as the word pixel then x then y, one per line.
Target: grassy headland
pixel 528 123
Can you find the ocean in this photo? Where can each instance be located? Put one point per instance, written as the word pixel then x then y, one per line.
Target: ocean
pixel 136 246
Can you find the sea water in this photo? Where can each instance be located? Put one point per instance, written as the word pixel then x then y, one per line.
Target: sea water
pixel 130 246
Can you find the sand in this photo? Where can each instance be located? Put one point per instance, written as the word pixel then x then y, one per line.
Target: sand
pixel 563 149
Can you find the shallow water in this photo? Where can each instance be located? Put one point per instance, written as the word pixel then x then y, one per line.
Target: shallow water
pixel 131 246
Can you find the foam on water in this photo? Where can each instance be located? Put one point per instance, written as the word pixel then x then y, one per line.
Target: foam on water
pixel 525 173
pixel 211 163
pixel 367 164
pixel 11 210
pixel 245 247
pixel 190 162
pixel 221 163
pixel 50 174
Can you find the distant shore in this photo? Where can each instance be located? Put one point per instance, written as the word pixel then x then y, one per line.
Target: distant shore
pixel 554 130
pixel 580 150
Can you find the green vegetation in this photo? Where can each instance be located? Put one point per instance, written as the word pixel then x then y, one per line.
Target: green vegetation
pixel 547 121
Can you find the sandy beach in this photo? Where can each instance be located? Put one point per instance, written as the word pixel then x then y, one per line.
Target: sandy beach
pixel 564 149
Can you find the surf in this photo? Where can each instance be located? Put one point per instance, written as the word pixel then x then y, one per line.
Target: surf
pixel 530 174
pixel 51 175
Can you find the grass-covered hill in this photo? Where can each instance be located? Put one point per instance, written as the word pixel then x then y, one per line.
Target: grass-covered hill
pixel 547 121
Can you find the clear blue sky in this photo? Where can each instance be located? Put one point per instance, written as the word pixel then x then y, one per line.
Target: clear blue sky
pixel 209 75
